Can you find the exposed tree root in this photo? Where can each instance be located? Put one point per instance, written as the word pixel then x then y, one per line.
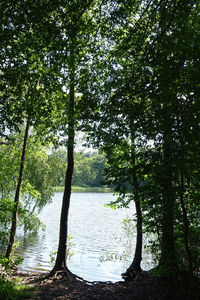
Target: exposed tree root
pixel 67 274
pixel 131 274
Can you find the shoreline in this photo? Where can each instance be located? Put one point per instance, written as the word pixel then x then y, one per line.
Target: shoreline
pixel 79 189
pixel 145 286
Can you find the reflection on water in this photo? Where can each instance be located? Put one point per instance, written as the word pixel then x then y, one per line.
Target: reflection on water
pixel 100 244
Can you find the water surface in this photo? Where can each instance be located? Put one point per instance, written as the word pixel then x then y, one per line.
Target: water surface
pixel 101 247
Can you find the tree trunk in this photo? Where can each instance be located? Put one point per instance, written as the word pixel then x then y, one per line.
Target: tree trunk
pixel 186 227
pixel 61 258
pixel 184 210
pixel 168 258
pixel 60 263
pixel 17 194
pixel 135 266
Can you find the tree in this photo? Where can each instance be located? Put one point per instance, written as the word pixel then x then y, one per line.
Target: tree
pixel 22 71
pixel 73 24
pixel 88 170
pixel 166 102
pixel 146 41
pixel 17 193
pixel 168 105
pixel 35 190
pixel 116 125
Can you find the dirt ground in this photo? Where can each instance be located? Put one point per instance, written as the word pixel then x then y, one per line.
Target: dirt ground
pixel 144 287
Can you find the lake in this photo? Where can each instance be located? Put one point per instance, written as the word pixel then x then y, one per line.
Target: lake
pixel 102 248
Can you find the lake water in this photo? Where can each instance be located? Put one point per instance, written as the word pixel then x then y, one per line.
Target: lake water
pixel 102 248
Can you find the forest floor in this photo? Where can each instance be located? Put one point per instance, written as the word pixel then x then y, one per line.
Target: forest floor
pixel 144 287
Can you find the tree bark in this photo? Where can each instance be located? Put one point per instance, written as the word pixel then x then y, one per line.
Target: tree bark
pixel 135 266
pixel 61 258
pixel 186 227
pixel 168 257
pixel 184 210
pixel 17 194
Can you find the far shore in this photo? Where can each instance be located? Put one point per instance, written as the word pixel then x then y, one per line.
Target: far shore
pixel 80 189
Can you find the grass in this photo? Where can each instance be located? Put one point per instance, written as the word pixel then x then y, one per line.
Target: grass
pixel 12 290
pixel 80 189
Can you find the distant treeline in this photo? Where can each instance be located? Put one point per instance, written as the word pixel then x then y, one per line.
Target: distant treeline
pixel 88 168
pixel 44 169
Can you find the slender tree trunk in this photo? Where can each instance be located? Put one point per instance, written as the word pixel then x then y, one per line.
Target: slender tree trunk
pixel 17 194
pixel 184 210
pixel 61 258
pixel 135 266
pixel 168 257
pixel 186 227
pixel 60 263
